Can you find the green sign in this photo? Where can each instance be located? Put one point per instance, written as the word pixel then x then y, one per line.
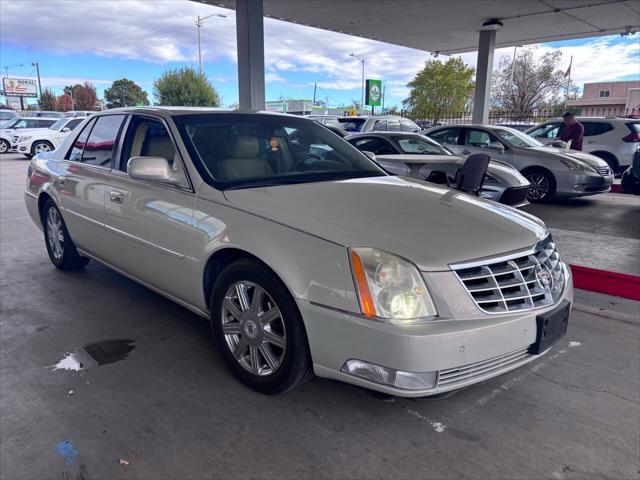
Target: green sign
pixel 374 93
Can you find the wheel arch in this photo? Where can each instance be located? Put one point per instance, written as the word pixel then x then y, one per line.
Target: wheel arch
pixel 606 156
pixel 41 140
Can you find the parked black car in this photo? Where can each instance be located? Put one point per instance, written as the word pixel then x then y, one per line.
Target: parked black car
pixel 631 176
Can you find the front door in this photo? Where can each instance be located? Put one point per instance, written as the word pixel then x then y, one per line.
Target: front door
pixel 149 224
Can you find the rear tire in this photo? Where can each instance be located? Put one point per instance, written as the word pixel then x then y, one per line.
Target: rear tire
pixel 258 328
pixel 61 249
pixel 4 146
pixel 543 185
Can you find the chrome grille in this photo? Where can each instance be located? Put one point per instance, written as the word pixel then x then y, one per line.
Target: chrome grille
pixel 516 282
pixel 604 171
pixel 452 376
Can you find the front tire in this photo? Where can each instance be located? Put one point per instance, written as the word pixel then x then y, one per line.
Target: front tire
pixel 258 329
pixel 61 249
pixel 543 186
pixel 41 146
pixel 4 146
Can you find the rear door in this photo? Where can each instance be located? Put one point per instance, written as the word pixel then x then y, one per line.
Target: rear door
pixel 83 179
pixel 149 224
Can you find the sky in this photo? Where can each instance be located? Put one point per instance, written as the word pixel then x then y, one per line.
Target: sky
pixel 101 41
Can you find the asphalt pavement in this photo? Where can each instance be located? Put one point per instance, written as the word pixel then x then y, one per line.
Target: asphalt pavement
pixel 170 409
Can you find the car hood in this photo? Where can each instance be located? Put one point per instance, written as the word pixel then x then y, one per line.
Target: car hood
pixel 428 224
pixel 587 158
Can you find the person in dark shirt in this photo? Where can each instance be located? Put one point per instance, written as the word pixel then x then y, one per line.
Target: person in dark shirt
pixel 272 155
pixel 573 131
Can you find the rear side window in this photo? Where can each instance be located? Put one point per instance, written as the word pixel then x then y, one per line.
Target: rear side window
pixel 351 124
pixel 380 126
pixel 377 145
pixel 102 140
pixel 551 130
pixel 73 123
pixel 393 125
pixel 45 123
pixel 75 153
pixel 448 135
pixel 634 127
pixel 596 128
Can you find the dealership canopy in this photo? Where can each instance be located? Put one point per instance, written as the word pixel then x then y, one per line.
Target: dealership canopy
pixel 437 26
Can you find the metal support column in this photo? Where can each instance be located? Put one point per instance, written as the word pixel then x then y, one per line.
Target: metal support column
pixel 250 33
pixel 484 68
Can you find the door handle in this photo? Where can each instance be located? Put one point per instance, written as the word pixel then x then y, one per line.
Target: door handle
pixel 591 141
pixel 465 151
pixel 116 197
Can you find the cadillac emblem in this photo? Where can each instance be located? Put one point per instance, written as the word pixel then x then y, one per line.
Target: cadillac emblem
pixel 544 277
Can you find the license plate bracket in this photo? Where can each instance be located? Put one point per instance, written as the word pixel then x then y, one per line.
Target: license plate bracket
pixel 551 327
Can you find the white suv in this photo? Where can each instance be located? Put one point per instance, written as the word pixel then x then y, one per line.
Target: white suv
pixel 32 141
pixel 613 139
pixel 18 125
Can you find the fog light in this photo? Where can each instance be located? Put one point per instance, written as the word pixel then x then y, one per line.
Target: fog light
pixel 389 376
pixel 578 187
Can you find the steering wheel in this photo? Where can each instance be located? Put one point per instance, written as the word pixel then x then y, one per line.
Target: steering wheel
pixel 297 163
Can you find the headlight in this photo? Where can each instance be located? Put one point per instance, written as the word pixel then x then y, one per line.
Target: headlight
pixel 388 286
pixel 575 165
pixel 24 139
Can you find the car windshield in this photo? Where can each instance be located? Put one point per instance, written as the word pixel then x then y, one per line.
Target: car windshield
pixel 419 145
pixel 234 151
pixel 10 123
pixel 517 138
pixel 351 124
pixel 59 124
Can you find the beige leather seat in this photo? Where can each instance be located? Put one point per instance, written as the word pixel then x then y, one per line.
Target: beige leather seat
pixel 242 160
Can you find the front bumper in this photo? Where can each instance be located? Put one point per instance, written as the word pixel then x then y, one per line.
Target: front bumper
pixel 483 345
pixel 569 184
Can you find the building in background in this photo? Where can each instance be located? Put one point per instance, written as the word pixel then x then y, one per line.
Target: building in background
pixel 609 99
pixel 303 107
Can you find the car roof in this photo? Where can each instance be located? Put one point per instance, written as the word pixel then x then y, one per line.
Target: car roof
pixel 383 134
pixel 55 119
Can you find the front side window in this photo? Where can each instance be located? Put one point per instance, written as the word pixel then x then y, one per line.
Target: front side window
pixel 249 150
pixel 380 126
pixel 376 145
pixel 447 135
pixel 393 125
pixel 351 124
pixel 516 138
pixel 415 145
pixel 73 123
pixel 409 126
pixel 551 130
pixel 102 140
pixel 75 152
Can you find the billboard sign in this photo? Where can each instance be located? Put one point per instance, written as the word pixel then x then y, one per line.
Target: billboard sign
pixel 20 87
pixel 374 93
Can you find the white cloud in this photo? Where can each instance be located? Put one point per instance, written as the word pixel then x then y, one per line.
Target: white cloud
pixel 273 77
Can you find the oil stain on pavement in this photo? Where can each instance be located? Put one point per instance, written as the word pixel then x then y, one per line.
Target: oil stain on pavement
pixel 96 354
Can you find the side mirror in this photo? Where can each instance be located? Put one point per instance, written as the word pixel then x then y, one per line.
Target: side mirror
pixel 65 130
pixel 371 155
pixel 497 146
pixel 559 144
pixel 150 168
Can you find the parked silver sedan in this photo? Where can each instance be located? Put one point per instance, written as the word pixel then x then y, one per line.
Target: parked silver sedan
pixel 301 252
pixel 553 172
pixel 417 156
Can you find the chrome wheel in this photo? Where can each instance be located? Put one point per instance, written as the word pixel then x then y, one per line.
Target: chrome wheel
pixel 540 186
pixel 55 235
pixel 41 147
pixel 253 328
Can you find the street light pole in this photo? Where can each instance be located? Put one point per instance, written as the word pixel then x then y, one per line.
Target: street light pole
pixel 361 60
pixel 6 68
pixel 35 64
pixel 199 23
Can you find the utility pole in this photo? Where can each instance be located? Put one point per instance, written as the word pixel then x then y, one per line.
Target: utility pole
pixel 199 23
pixel 384 91
pixel 315 86
pixel 361 60
pixel 568 74
pixel 122 98
pixel 35 64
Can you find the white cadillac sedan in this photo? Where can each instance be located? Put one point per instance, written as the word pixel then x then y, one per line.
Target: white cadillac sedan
pixel 303 254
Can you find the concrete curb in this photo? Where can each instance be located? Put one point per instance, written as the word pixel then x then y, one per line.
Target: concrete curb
pixel 603 281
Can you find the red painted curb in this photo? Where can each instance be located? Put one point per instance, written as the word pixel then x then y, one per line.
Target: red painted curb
pixel 616 188
pixel 603 281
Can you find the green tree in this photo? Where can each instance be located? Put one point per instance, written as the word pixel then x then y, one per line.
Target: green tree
pixel 48 100
pixel 185 87
pixel 528 83
pixel 439 88
pixel 125 89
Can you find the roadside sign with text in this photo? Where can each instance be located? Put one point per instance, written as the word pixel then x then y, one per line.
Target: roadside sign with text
pixel 14 103
pixel 374 93
pixel 20 87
